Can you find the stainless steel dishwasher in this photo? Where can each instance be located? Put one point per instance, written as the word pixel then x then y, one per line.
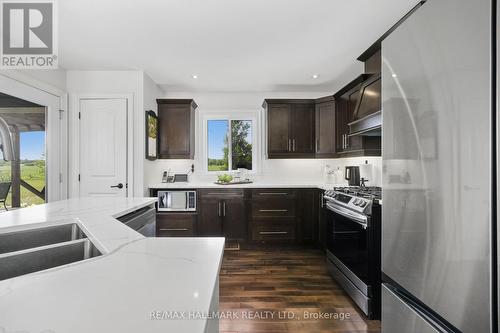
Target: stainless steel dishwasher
pixel 142 220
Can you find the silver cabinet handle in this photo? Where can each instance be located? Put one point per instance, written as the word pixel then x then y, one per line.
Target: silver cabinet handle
pixel 322 203
pixel 273 210
pixel 273 232
pixel 273 193
pixel 218 209
pixel 346 141
pixel 174 229
pixel 343 141
pixel 289 144
pixel 224 208
pixel 293 143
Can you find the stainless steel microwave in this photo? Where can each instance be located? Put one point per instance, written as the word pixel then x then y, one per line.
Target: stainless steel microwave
pixel 177 201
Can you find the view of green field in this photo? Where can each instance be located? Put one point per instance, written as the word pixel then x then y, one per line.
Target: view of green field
pixel 32 172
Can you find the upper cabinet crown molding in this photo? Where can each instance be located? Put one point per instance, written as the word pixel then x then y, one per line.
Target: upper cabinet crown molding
pixel 176 133
pixel 177 101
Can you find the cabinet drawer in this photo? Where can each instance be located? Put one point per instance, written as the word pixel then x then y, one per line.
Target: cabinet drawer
pixel 172 225
pixel 273 231
pixel 275 207
pixel 275 194
pixel 220 193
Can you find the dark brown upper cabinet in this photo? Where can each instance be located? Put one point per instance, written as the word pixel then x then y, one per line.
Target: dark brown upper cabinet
pixel 325 127
pixel 346 101
pixel 290 128
pixel 176 121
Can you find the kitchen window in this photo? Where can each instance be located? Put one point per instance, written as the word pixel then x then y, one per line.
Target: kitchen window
pixel 230 144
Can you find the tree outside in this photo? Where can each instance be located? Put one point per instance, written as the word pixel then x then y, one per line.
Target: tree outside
pixel 241 144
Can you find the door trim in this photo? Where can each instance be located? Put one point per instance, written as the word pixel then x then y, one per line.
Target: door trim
pixel 74 140
pixel 56 148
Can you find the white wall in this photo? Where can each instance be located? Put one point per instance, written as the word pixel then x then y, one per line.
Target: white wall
pixel 134 83
pixel 43 78
pixel 280 170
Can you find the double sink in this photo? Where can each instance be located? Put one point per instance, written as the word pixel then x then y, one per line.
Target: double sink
pixel 33 250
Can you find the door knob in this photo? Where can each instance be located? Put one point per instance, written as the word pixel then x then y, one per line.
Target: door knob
pixel 120 185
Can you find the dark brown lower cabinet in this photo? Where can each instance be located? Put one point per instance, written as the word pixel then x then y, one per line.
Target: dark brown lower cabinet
pixel 275 229
pixel 273 215
pixel 322 215
pixel 307 216
pixel 267 216
pixel 222 213
pixel 209 218
pixel 175 224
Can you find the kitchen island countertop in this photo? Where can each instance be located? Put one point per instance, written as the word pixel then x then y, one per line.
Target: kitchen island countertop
pixel 139 284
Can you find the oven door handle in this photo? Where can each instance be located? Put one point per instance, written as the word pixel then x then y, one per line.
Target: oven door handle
pixel 358 218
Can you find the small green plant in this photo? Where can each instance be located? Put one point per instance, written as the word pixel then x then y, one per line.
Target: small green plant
pixel 225 178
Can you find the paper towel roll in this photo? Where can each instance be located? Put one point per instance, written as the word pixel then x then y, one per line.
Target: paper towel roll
pixel 365 171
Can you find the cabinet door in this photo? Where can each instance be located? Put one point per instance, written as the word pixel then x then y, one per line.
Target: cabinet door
pixel 302 129
pixel 209 219
pixel 234 224
pixel 175 131
pixel 341 121
pixel 325 129
pixel 307 206
pixel 278 120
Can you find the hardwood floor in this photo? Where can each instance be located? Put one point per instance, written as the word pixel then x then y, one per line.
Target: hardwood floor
pixel 289 282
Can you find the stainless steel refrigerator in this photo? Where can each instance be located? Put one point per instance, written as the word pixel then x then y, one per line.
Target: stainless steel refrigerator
pixel 438 211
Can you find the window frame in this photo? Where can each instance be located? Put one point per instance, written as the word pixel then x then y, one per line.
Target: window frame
pixel 249 116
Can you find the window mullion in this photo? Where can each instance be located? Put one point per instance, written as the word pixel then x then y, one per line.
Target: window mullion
pixel 230 147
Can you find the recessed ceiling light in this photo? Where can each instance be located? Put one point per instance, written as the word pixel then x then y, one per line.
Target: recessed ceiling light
pixel 315 76
pixel 194 76
pixel 394 75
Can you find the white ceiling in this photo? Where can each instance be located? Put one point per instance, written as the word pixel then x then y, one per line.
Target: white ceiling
pixel 232 45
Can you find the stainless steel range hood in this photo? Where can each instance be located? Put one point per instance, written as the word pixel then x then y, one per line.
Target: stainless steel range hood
pixel 368 114
pixel 6 141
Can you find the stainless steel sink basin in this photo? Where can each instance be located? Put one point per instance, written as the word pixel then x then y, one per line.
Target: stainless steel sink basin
pixel 38 249
pixel 27 239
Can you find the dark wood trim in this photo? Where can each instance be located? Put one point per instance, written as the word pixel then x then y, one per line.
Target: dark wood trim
pixel 286 101
pixel 177 101
pixel 377 45
pixel 360 152
pixel 358 80
pixel 374 63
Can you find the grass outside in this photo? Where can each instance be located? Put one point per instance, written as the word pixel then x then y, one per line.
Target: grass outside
pixel 32 174
pixel 217 164
pixel 217 168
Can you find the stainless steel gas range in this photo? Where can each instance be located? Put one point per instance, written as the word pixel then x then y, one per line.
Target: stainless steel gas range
pixel 353 244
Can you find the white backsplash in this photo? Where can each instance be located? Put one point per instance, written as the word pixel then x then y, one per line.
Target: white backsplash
pixel 275 170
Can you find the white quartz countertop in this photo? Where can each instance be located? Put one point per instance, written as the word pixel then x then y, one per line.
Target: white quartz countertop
pixel 118 291
pixel 257 184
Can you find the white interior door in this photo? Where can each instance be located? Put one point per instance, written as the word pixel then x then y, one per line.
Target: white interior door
pixel 103 147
